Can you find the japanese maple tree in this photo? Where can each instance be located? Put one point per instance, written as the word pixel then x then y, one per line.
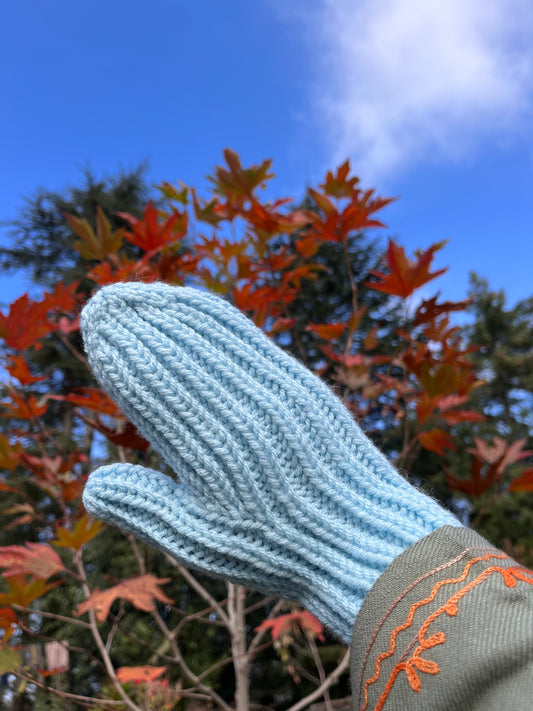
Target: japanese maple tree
pixel 398 361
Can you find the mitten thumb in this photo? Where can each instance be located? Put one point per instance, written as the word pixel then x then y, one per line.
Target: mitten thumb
pixel 170 517
pixel 159 511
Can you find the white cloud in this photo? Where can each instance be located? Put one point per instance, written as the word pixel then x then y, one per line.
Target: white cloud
pixel 397 82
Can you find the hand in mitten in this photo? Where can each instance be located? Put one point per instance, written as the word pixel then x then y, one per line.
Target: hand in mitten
pixel 278 489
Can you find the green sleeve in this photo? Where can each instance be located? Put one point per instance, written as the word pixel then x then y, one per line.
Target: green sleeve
pixel 448 625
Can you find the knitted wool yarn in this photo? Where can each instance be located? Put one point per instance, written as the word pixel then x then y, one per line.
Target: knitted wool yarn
pixel 278 489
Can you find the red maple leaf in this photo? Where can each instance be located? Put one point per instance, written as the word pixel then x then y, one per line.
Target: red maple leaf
pixel 284 624
pixel 406 275
pixel 149 234
pixel 500 452
pixel 25 323
pixel 18 368
pixel 429 309
pixel 23 408
pixel 524 482
pixel 92 399
pixel 479 482
pixel 127 436
pixel 436 440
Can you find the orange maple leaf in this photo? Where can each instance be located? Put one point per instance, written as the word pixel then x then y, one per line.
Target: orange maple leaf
pixel 238 184
pixel 22 408
pixel 84 530
pixel 327 331
pixel 92 399
pixel 23 591
pixel 63 299
pixel 50 672
pixel 139 675
pixel 340 184
pixel 524 482
pixel 18 368
pixel 120 269
pixel 10 454
pixel 8 620
pixel 141 592
pixel 36 559
pixel 95 246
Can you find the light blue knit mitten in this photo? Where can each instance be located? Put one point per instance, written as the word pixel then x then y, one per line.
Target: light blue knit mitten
pixel 279 489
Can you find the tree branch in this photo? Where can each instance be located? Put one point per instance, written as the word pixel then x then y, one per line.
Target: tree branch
pixel 114 628
pixel 320 669
pixel 259 635
pixel 199 589
pixel 98 639
pixel 327 684
pixel 87 701
pixel 52 615
pixel 183 665
pixel 240 653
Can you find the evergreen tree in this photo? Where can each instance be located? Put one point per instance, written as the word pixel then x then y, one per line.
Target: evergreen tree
pixel 41 239
pixel 504 359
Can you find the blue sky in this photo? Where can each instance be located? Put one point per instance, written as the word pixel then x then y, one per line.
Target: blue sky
pixel 431 101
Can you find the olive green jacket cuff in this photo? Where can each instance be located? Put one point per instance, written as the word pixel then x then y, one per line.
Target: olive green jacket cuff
pixel 448 625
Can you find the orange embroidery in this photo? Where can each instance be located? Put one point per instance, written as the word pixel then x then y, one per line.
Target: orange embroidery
pixel 407 590
pixel 415 662
pixel 450 608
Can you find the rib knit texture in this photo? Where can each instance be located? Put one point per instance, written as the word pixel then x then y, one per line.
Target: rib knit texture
pixel 278 488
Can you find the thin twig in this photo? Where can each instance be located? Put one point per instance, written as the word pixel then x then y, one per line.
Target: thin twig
pixel 259 635
pixel 228 660
pixel 121 452
pixel 261 603
pixel 81 700
pixel 98 639
pixel 320 669
pixel 165 644
pixel 114 628
pixel 199 589
pixel 136 552
pixel 75 352
pixel 183 665
pixel 331 679
pixel 52 615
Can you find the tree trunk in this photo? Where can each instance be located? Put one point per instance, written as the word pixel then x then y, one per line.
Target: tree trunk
pixel 241 658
